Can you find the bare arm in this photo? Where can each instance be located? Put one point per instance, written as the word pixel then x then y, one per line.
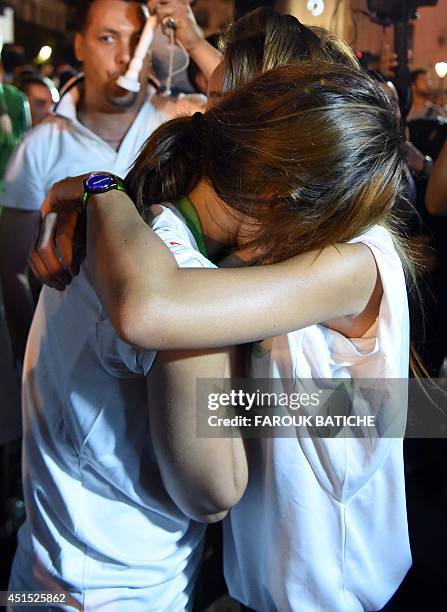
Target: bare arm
pixel 155 305
pixel 204 476
pixel 188 33
pixel 18 229
pixel 436 196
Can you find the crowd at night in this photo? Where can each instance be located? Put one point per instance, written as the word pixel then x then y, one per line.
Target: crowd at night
pixel 223 287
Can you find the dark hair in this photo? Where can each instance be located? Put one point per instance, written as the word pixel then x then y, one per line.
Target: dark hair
pixel 415 74
pixel 12 56
pixel 264 39
pixel 33 78
pixel 82 11
pixel 312 151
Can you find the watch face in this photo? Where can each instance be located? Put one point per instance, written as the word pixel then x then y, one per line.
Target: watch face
pixel 100 182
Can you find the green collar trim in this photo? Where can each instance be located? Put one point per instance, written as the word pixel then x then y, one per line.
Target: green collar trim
pixel 187 210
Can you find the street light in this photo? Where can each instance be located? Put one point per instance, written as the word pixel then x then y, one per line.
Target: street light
pixel 44 54
pixel 316 7
pixel 441 69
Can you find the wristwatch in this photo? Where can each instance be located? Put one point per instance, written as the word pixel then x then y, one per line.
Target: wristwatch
pixel 101 182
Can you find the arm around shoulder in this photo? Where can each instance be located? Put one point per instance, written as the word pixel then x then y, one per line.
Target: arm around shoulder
pixel 154 304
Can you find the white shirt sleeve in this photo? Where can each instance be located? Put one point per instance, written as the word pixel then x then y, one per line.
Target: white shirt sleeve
pixel 24 183
pixel 118 357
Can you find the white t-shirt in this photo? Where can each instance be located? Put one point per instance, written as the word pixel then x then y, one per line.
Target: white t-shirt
pixel 62 146
pixel 322 526
pixel 100 524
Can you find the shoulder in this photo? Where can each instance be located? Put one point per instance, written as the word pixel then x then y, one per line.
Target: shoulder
pixel 184 104
pixel 171 228
pixel 384 246
pixel 378 234
pixel 40 136
pixel 33 150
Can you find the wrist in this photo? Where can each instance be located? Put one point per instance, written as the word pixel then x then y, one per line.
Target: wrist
pixel 102 199
pixel 99 204
pixel 100 183
pixel 195 45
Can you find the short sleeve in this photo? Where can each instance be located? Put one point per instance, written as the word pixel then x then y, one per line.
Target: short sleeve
pixel 24 183
pixel 118 358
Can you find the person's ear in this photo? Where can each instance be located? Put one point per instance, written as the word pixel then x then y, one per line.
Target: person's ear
pixel 79 44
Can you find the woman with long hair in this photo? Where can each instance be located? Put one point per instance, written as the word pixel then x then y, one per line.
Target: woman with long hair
pixel 303 163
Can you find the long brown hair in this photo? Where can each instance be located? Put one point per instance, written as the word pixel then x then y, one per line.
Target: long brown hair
pixel 264 39
pixel 312 152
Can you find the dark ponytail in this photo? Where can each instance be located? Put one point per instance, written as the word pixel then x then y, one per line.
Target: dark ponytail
pixel 169 164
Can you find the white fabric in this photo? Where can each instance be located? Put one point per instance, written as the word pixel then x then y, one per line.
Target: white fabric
pixel 322 526
pixel 160 50
pixel 100 524
pixel 61 146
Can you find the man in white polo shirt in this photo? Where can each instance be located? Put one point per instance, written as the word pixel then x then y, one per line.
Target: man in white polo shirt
pixel 105 131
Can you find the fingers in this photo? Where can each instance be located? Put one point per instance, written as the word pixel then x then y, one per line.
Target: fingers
pixel 42 274
pixel 187 32
pixel 79 244
pixel 43 260
pixel 59 248
pixel 164 8
pixel 64 234
pixel 64 195
pixel 48 205
pixel 153 5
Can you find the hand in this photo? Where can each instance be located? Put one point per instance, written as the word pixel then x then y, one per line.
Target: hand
pixel 186 29
pixel 60 245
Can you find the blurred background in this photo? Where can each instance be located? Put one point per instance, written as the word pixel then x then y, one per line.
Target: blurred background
pixel 34 24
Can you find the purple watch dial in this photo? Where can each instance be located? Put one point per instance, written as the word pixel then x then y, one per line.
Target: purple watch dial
pixel 100 182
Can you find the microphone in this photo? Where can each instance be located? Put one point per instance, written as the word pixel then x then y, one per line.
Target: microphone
pixel 130 81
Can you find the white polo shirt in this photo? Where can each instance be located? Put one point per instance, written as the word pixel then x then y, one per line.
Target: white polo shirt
pixel 61 146
pixel 100 525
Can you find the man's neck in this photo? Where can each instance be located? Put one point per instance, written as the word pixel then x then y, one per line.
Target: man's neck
pixel 109 123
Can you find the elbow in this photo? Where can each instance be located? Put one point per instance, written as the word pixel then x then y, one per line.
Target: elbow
pixel 210 518
pixel 212 505
pixel 209 510
pixel 136 324
pixel 124 323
